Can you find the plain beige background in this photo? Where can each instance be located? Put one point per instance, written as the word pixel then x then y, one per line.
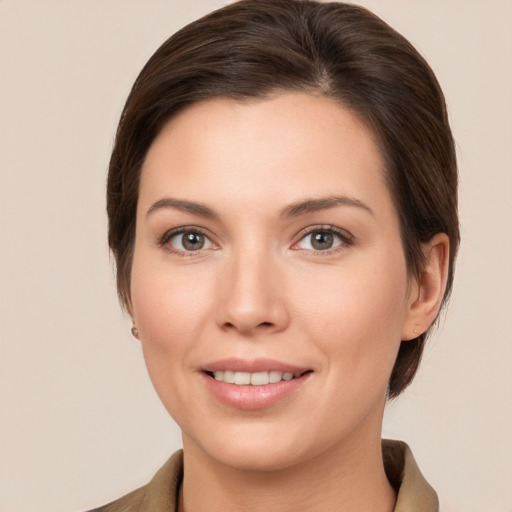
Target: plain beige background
pixel 79 422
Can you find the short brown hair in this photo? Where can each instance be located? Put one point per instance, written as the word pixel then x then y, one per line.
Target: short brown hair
pixel 251 49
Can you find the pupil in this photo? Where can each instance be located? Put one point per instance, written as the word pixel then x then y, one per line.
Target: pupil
pixel 322 240
pixel 193 241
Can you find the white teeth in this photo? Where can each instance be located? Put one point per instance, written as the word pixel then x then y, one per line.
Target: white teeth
pixel 229 377
pixel 255 379
pixel 260 379
pixel 242 378
pixel 275 377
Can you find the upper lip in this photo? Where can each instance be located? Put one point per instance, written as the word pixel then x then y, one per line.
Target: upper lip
pixel 253 366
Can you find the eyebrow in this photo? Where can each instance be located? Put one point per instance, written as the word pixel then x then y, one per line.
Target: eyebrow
pixel 323 203
pixel 293 210
pixel 185 206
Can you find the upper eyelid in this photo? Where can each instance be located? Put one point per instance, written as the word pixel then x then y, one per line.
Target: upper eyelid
pixel 324 227
pixel 167 235
pixel 346 238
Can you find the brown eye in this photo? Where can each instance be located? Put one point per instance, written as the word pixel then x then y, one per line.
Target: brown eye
pixel 188 241
pixel 322 240
pixel 192 241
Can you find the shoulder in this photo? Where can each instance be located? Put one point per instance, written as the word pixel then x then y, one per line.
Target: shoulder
pixel 129 503
pixel 159 495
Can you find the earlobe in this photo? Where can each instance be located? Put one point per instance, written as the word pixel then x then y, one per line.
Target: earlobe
pixel 129 309
pixel 428 291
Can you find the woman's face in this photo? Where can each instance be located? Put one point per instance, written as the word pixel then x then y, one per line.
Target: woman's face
pixel 268 247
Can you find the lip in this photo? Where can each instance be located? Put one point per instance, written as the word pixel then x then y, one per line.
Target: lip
pixel 248 397
pixel 254 366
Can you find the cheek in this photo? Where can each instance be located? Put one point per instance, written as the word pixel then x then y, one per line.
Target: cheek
pixel 164 300
pixel 356 315
pixel 170 309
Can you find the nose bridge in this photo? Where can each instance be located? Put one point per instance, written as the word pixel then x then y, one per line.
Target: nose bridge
pixel 252 297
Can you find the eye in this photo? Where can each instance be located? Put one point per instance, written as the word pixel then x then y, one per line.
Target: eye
pixel 323 239
pixel 186 240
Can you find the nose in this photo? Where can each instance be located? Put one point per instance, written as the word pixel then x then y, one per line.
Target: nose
pixel 252 298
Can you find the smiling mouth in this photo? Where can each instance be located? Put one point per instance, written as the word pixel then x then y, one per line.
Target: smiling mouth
pixel 254 379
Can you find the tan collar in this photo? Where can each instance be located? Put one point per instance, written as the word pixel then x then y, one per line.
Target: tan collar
pixel 414 492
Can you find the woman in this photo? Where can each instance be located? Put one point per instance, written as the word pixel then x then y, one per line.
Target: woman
pixel 283 213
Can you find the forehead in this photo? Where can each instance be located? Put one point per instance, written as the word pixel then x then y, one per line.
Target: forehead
pixel 279 148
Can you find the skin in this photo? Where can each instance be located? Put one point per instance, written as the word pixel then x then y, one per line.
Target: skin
pixel 259 289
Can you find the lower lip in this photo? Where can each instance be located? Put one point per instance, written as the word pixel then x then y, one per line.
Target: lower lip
pixel 254 397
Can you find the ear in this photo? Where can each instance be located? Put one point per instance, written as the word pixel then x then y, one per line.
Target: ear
pixel 427 290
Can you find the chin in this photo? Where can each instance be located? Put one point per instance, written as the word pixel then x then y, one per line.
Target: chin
pixel 262 448
pixel 248 447
pixel 256 458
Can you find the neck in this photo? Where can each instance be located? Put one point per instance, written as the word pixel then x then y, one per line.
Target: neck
pixel 345 478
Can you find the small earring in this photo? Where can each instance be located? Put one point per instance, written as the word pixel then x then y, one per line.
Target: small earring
pixel 415 331
pixel 135 332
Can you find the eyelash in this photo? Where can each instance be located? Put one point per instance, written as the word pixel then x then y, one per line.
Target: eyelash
pixel 169 235
pixel 345 237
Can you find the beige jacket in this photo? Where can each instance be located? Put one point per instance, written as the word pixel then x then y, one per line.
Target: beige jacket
pixel 161 494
